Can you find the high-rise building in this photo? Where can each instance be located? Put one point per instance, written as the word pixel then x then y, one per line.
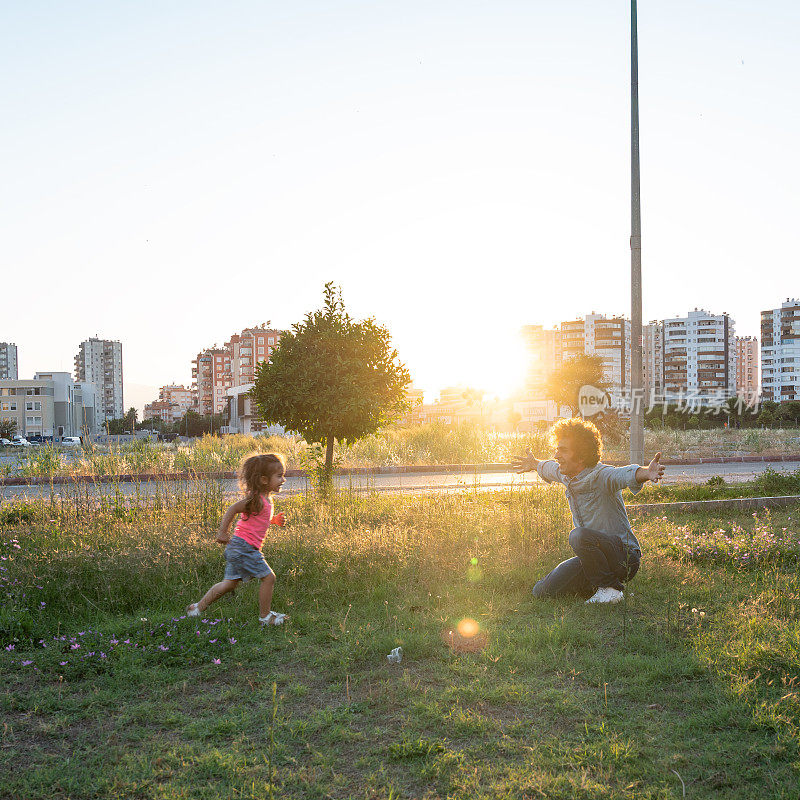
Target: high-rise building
pixel 99 361
pixel 543 349
pixel 780 352
pixel 653 359
pixel 173 402
pixel 209 373
pixel 699 355
pixel 595 334
pixel 610 339
pixel 747 367
pixel 217 371
pixel 8 361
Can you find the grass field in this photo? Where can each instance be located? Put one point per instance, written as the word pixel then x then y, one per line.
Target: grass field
pixel 688 688
pixel 432 443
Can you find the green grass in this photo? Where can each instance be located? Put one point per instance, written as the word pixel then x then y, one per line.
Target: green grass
pixel 694 678
pixel 769 483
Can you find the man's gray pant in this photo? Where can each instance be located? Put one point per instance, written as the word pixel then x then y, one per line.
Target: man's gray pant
pixel 601 560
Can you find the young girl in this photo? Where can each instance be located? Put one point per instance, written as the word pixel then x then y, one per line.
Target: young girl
pixel 260 477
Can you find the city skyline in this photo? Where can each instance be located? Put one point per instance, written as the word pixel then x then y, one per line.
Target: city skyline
pixel 460 171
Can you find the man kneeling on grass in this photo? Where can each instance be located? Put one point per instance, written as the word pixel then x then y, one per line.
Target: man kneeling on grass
pixel 607 553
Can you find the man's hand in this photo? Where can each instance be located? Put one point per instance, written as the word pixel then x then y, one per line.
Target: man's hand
pixel 655 471
pixel 278 519
pixel 525 463
pixel 222 539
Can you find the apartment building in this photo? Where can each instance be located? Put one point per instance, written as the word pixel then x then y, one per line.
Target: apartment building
pixel 49 405
pixel 218 371
pixel 780 352
pixel 595 334
pixel 610 339
pixel 173 402
pixel 572 336
pixel 99 361
pixel 543 347
pixel 747 367
pixel 699 355
pixel 209 373
pixel 653 358
pixel 8 361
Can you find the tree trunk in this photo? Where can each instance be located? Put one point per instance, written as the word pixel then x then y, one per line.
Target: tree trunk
pixel 329 454
pixel 328 476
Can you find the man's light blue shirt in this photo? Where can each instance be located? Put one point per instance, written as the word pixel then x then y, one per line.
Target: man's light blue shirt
pixel 595 497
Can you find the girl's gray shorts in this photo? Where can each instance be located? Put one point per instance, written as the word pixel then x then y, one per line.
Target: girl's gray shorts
pixel 243 561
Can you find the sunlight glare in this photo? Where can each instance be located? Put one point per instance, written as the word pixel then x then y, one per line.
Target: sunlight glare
pixel 468 627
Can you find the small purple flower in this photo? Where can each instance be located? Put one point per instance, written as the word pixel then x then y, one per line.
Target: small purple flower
pixel 215 660
pixel 75 646
pixel 162 648
pixel 10 647
pixel 27 663
pixel 62 663
pixel 232 640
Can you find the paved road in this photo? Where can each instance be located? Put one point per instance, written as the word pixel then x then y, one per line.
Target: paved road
pixel 420 482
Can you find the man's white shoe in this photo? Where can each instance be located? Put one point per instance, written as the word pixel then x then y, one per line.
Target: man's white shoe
pixel 192 610
pixel 606 594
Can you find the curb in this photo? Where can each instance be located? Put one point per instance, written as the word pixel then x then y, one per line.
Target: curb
pixel 469 469
pixel 735 503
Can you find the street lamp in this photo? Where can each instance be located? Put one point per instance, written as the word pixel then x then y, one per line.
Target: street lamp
pixel 637 395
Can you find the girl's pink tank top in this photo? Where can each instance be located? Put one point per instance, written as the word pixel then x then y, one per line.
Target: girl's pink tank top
pixel 253 528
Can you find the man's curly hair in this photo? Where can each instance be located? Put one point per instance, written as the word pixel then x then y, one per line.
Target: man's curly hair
pixel 584 436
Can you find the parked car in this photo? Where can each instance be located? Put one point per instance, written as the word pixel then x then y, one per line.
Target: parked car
pixel 20 441
pixel 71 441
pixel 5 442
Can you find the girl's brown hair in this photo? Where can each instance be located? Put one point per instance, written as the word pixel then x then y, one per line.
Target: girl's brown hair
pixel 251 472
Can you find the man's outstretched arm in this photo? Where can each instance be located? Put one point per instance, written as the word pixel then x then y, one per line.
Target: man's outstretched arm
pixel 525 463
pixel 654 472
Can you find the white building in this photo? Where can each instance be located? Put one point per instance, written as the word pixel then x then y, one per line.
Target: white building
pixel 610 339
pixel 50 405
pixel 243 414
pixel 780 352
pixel 8 361
pixel 99 361
pixel 699 355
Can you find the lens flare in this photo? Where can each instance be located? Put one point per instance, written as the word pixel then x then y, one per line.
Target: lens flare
pixel 468 627
pixel 474 562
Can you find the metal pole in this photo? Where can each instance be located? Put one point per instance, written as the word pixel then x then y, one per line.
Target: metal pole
pixel 637 395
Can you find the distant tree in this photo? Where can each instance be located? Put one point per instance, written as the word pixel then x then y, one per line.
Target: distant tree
pixel 154 424
pixel 566 381
pixel 194 424
pixel 8 427
pixel 514 418
pixel 789 413
pixel 332 378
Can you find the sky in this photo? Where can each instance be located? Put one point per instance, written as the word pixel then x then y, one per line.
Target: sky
pixel 176 172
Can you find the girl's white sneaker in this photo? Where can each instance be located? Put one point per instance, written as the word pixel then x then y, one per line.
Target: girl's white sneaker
pixel 192 610
pixel 273 618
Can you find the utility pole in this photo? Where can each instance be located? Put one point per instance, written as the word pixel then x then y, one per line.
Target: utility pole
pixel 637 395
